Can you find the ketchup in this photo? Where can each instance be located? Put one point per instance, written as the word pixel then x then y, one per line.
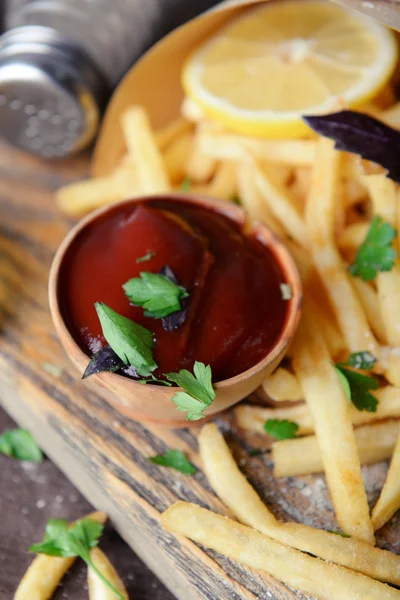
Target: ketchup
pixel 235 310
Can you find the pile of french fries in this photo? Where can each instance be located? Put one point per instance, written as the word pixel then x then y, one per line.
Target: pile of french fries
pixel 320 202
pixel 45 573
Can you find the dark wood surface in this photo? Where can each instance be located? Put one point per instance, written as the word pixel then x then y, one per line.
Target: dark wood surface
pixel 30 494
pixel 102 454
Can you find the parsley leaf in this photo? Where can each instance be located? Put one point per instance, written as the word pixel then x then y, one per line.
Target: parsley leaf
pixel 281 430
pixel 343 535
pixel 175 459
pixel 130 341
pixel 286 291
pixel 361 360
pixel 19 443
pixel 104 360
pixel 146 257
pixel 357 385
pixel 76 540
pixel 156 293
pixel 361 134
pixel 200 393
pixel 375 253
pixel 186 184
pixel 153 379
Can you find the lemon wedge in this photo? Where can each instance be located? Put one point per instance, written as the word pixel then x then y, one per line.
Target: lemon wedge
pixel 272 65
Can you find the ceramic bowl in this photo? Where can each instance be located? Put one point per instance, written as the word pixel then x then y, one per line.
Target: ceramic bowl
pixel 152 402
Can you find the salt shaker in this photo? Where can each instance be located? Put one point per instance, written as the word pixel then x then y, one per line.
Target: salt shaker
pixel 60 60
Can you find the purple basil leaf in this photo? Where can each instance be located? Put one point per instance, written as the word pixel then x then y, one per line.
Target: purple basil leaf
pixel 361 134
pixel 176 319
pixel 168 272
pixel 104 360
pixel 130 371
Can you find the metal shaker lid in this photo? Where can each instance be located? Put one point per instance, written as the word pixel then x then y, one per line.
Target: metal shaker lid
pixel 51 95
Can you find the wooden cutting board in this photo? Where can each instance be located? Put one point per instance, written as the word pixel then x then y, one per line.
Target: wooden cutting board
pixel 104 455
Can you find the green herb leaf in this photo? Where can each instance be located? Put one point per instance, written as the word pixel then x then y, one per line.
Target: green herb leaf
pixel 344 382
pixel 199 388
pixel 376 253
pixel 236 200
pixel 153 379
pixel 281 430
pixel 156 293
pixel 360 360
pixel 186 184
pixel 130 341
pixel 55 528
pixel 357 385
pixel 76 540
pixel 19 443
pixel 343 535
pixel 146 257
pixel 175 459
pixel 286 291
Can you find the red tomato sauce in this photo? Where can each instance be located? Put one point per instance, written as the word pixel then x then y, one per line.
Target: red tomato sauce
pixel 235 307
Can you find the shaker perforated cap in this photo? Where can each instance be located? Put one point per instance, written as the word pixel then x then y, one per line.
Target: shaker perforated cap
pixel 51 95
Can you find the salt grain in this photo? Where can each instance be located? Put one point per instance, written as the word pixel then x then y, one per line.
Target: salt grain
pixel 41 504
pixel 59 499
pixel 25 510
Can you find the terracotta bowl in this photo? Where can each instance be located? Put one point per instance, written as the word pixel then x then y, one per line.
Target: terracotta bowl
pixel 152 402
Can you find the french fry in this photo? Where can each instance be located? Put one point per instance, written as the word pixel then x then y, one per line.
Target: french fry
pixel 97 588
pixel 301 183
pixel 140 141
pixel 176 157
pixel 253 201
pixel 303 260
pixel 252 418
pixel 174 130
pixel 389 500
pixel 282 385
pixel 330 410
pixel 223 184
pixel 257 551
pixel 45 572
pixel 80 198
pixel 385 202
pixel 320 219
pixel 282 205
pixel 390 358
pixel 240 497
pixel 229 146
pixel 200 167
pixel 229 483
pixel 192 111
pixel 301 456
pixel 370 303
pixel 351 238
pixel 329 328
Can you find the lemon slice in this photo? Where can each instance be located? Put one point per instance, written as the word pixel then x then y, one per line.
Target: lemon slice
pixel 264 70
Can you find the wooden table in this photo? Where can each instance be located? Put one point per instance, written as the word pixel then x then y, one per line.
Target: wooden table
pixel 31 493
pixel 104 455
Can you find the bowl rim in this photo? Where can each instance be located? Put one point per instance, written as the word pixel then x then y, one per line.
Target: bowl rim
pixel 258 229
